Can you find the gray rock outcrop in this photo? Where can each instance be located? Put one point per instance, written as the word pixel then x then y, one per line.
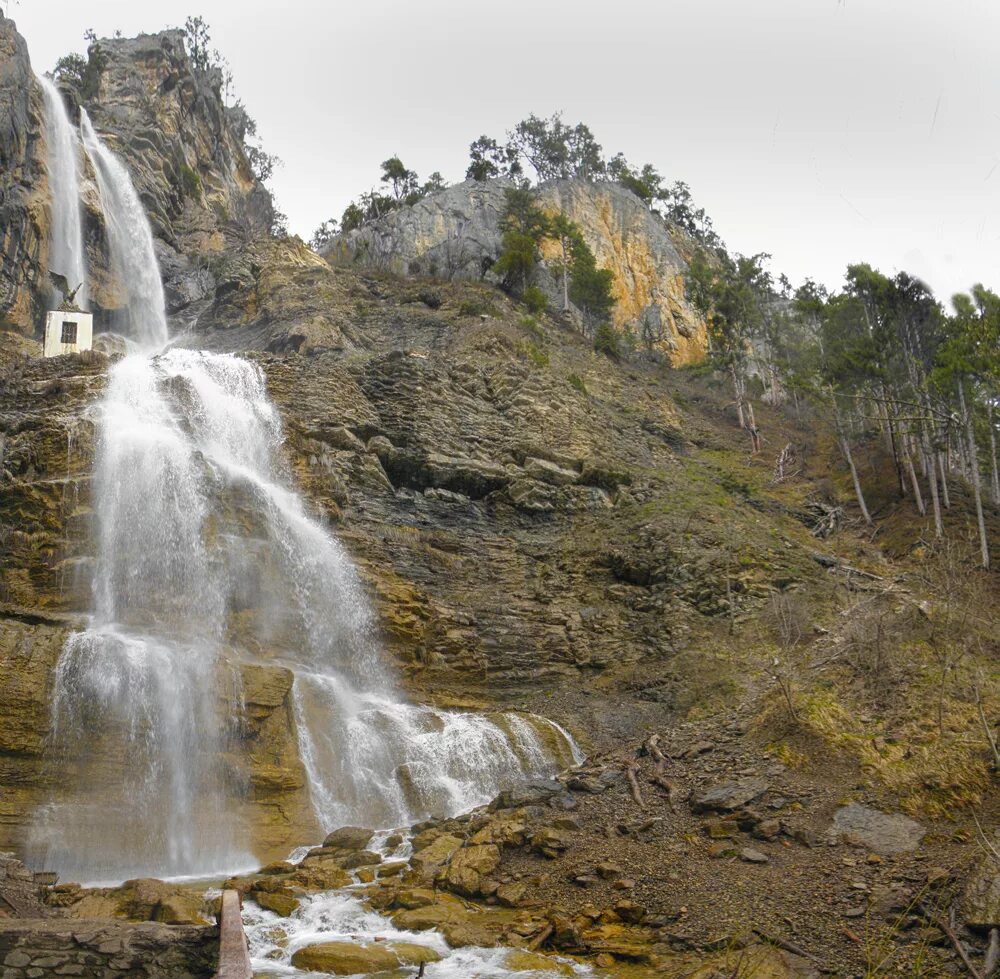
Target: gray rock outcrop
pixel 23 186
pixel 456 234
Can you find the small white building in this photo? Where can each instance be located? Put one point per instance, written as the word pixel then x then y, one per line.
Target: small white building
pixel 68 332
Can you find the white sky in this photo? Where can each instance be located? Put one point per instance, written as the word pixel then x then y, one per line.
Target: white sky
pixel 822 131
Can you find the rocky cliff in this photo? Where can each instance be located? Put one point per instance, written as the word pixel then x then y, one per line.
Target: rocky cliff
pixel 23 186
pixel 184 149
pixel 456 234
pixel 537 526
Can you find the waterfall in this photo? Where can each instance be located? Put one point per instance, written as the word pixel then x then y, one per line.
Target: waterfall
pixel 208 561
pixel 130 240
pixel 66 254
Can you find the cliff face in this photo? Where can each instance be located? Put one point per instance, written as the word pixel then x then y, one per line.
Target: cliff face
pixel 457 234
pixel 184 148
pixel 23 186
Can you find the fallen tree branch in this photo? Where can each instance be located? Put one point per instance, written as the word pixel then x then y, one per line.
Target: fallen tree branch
pixel 540 938
pixel 959 947
pixel 633 784
pixel 786 945
pixel 653 750
pixel 673 792
pixel 992 957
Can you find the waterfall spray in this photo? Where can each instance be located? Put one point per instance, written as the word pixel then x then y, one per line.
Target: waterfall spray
pixel 208 562
pixel 133 257
pixel 66 252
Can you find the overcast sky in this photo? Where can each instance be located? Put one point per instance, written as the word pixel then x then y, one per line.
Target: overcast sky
pixel 821 131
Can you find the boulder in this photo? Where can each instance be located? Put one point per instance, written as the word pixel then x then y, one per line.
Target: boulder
pixel 436 853
pixel 470 865
pixel 728 796
pixel 349 838
pixel 884 833
pixel 981 900
pixel 410 953
pixel 519 960
pixel 282 903
pixel 345 958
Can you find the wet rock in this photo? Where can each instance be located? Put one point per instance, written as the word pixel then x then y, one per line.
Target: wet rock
pixel 728 796
pixel 514 894
pixel 345 958
pixel 410 953
pixel 325 877
pixel 518 960
pixel 880 832
pixel 435 853
pixel 282 903
pixel 351 838
pixel 361 858
pixel 469 866
pixel 278 867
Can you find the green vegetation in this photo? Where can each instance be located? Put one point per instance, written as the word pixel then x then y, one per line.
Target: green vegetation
pixel 881 358
pixel 606 341
pixel 534 353
pixel 576 382
pixel 526 226
pixel 535 300
pixel 400 187
pixel 190 181
pixel 552 149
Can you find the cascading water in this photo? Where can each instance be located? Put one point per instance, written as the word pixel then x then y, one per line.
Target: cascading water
pixel 66 252
pixel 133 257
pixel 207 559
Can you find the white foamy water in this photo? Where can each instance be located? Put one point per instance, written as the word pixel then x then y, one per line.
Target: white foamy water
pixel 340 916
pixel 66 252
pixel 207 559
pixel 133 257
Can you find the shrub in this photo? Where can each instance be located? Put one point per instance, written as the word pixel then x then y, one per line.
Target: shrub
pixel 477 307
pixel 606 341
pixel 430 298
pixel 535 300
pixel 190 181
pixel 576 382
pixel 533 327
pixel 534 353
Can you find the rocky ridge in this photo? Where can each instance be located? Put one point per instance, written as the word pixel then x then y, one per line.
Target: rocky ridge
pixel 456 233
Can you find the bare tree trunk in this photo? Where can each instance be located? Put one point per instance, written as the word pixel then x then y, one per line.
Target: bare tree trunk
pixel 565 275
pixel 946 496
pixel 931 471
pixel 889 413
pixel 845 447
pixel 738 392
pixel 917 495
pixel 976 481
pixel 754 432
pixel 994 475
